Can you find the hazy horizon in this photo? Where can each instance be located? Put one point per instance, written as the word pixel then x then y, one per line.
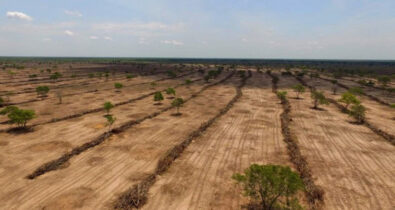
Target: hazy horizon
pixel 243 29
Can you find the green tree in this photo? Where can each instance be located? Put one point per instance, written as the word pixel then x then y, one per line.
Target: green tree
pixel 178 102
pixel 42 90
pixel 170 91
pixel 7 110
pixel 21 116
pixel 318 98
pixel 118 86
pixel 108 106
pixel 358 112
pixel 282 95
pixel 274 186
pixel 110 120
pixel 158 97
pixel 384 80
pixel 348 98
pixel 299 88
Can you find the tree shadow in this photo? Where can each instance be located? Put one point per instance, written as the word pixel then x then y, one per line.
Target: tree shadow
pixel 158 104
pixel 176 114
pixel 318 109
pixel 20 130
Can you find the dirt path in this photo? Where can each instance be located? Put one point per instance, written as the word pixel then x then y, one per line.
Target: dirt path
pixel 249 133
pixel 94 178
pixel 354 166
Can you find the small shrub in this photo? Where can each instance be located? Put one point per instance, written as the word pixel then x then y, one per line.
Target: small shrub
pixel 108 106
pixel 118 85
pixel 158 97
pixel 178 102
pixel 1 101
pixel 273 186
pixel 299 88
pixel 110 121
pixel 55 76
pixel 188 82
pixel 171 74
pixel 33 76
pixel 282 95
pixel 392 106
pixel 318 98
pixel 42 90
pixel 356 91
pixel 170 91
pixel 358 112
pixel 348 98
pixel 129 76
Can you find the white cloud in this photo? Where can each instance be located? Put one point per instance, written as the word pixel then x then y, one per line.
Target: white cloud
pixel 172 42
pixel 93 37
pixel 108 38
pixel 19 15
pixel 69 33
pixel 73 13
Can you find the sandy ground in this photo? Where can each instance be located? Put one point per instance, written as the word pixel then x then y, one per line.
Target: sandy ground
pixel 249 133
pixel 121 161
pixel 354 166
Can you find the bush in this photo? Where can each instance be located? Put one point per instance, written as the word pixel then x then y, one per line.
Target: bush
pixel 158 96
pixel 42 90
pixel 178 102
pixel 282 95
pixel 273 186
pixel 392 106
pixel 110 120
pixel 118 85
pixel 358 112
pixel 170 91
pixel 32 75
pixel 108 106
pixel 129 76
pixel 55 76
pixel 299 88
pixel 318 98
pixel 348 98
pixel 20 116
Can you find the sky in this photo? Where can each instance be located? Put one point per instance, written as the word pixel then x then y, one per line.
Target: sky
pixel 296 29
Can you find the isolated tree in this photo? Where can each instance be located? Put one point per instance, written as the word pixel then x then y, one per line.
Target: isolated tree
pixel 299 88
pixel 42 90
pixel 20 116
pixel 59 95
pixel 108 106
pixel 282 95
pixel 349 98
pixel 358 112
pixel 334 87
pixel 158 97
pixel 178 102
pixel 170 91
pixel 384 80
pixel 110 121
pixel 318 98
pixel 118 86
pixel 273 186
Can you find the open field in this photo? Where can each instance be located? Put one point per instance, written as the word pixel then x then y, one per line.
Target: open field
pixel 70 157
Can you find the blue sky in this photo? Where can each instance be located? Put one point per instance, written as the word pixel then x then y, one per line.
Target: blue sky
pixel 320 29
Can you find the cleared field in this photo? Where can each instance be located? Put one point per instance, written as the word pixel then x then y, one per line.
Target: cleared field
pixel 249 133
pixel 121 160
pixel 354 165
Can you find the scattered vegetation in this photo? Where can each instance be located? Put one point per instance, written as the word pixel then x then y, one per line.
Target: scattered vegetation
pixel 273 186
pixel 349 98
pixel 358 112
pixel 108 106
pixel 299 88
pixel 158 97
pixel 282 95
pixel 318 98
pixel 42 91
